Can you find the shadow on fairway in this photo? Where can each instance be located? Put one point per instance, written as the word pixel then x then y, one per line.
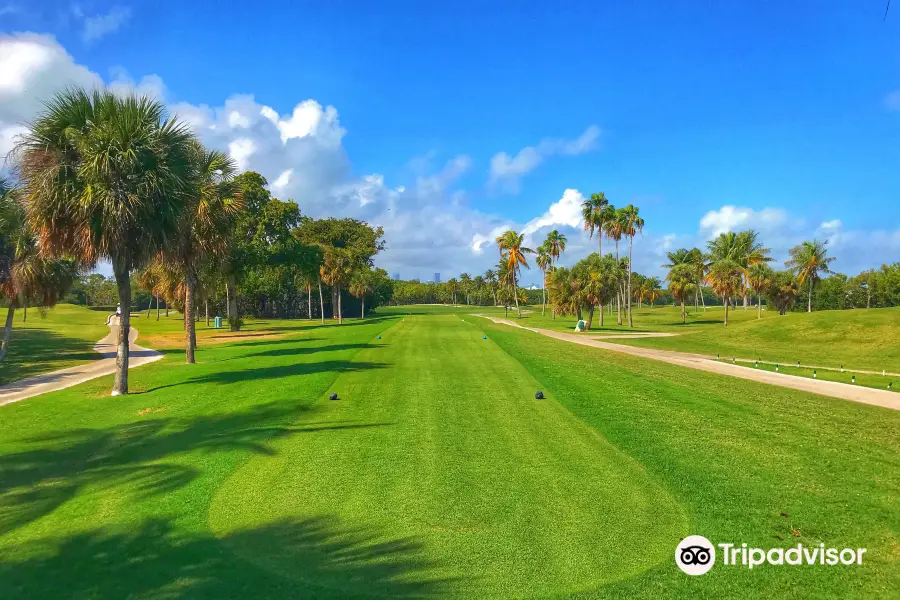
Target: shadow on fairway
pixel 35 482
pixel 316 557
pixel 39 346
pixel 309 350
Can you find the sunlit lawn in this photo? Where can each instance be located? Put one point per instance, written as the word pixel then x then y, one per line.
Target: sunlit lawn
pixel 436 473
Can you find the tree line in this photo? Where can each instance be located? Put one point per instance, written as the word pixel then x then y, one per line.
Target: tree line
pixel 102 177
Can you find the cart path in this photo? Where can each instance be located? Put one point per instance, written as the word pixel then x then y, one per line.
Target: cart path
pixel 834 389
pixel 63 378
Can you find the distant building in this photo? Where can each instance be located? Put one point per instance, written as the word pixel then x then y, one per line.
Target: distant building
pixel 437 277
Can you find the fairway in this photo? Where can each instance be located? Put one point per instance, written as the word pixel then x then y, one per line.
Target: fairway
pixel 435 474
pixel 506 495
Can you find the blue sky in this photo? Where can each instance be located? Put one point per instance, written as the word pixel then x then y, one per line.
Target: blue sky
pixel 709 116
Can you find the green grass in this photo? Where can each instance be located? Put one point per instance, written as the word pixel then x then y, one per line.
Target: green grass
pixel 858 339
pixel 436 474
pixel 56 338
pixel 863 379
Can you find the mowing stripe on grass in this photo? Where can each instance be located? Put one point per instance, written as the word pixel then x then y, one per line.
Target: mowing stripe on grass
pixel 489 492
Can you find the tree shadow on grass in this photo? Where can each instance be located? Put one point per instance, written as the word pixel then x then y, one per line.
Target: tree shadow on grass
pixel 309 350
pixel 52 468
pixel 316 557
pixel 33 351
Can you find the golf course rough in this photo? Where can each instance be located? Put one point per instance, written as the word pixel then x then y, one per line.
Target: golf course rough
pixel 451 481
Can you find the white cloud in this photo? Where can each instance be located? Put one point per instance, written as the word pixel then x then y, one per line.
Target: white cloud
pixel 565 211
pixel 733 218
pixel 32 68
pixel 892 100
pixel 99 26
pixel 507 171
pixel 241 150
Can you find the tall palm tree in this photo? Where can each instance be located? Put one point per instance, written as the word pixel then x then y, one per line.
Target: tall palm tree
pixel 614 229
pixel 742 248
pixel 759 279
pixel 556 245
pixel 698 261
pixel 726 277
pixel 632 224
pixel 336 271
pixel 681 283
pixel 810 260
pixel 490 276
pixel 654 289
pixel 452 286
pixel 106 177
pixel 512 250
pixel 361 284
pixel 26 276
pixel 465 284
pixel 543 262
pixel 593 213
pixel 211 207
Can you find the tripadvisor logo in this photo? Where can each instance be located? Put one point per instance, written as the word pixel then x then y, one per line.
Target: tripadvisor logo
pixel 696 555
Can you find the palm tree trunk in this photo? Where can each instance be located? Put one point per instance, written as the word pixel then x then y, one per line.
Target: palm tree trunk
pixel 149 306
pixel 758 307
pixel 516 294
pixel 231 294
pixel 543 285
pixel 4 347
pixel 207 312
pixel 590 319
pixel 123 283
pixel 702 299
pixel 362 313
pixel 321 301
pixel 809 298
pixel 683 316
pixel 190 327
pixel 227 303
pixel 339 307
pixel 630 254
pixel 157 308
pixel 24 311
pixel 309 299
pixel 726 310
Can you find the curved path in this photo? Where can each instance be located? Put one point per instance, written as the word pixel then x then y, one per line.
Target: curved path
pixel 834 389
pixel 106 365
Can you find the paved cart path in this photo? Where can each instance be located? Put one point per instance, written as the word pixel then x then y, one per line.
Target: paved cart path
pixel 105 365
pixel 834 389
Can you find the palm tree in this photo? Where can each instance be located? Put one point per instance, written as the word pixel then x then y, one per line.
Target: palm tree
pixel 698 261
pixel 631 226
pixel 512 250
pixel 106 177
pixel 490 276
pixel 335 271
pixel 556 245
pixel 361 285
pixel 27 276
pixel 452 286
pixel 211 206
pixel 726 277
pixel 759 278
pixel 614 229
pixel 809 260
pixel 465 284
pixel 741 248
pixel 593 213
pixel 149 279
pixel 681 283
pixel 654 290
pixel 543 262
